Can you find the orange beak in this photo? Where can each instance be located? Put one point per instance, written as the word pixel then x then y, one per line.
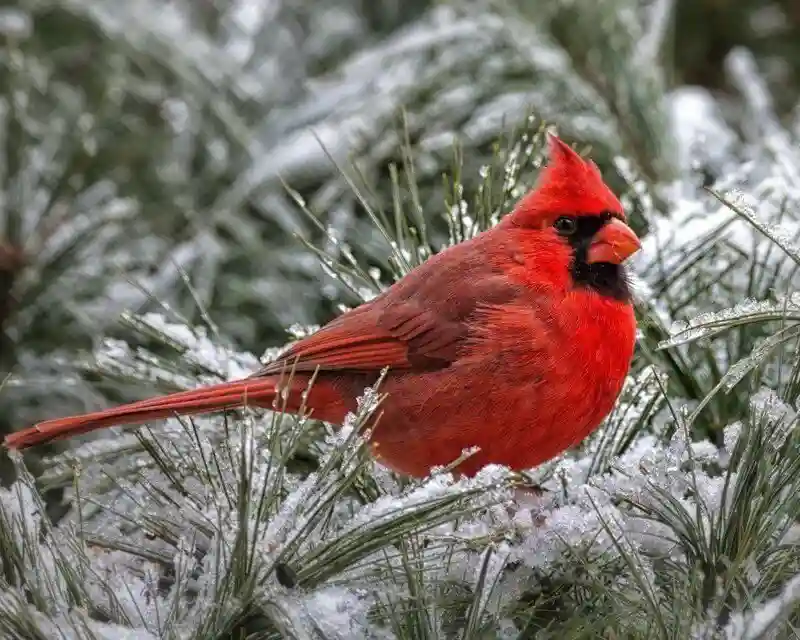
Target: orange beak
pixel 614 243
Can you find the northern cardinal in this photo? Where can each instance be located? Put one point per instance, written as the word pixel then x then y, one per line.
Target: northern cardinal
pixel 516 341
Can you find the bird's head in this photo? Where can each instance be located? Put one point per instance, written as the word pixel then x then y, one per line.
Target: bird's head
pixel 575 217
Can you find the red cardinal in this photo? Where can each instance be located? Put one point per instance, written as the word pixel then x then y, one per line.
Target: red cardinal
pixel 516 341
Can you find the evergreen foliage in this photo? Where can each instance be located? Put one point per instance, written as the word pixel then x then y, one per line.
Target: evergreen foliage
pixel 176 179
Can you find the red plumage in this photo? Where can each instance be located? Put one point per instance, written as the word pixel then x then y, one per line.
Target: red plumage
pixel 516 341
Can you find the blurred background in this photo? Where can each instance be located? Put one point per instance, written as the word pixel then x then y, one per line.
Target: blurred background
pixel 146 146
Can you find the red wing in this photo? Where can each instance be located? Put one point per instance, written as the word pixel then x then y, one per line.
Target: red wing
pixel 421 322
pixel 339 349
pixel 371 338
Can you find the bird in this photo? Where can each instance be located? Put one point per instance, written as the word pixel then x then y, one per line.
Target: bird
pixel 513 344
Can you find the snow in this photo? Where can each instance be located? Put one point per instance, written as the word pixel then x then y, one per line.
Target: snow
pixel 701 132
pixel 756 624
pixel 335 613
pixel 15 23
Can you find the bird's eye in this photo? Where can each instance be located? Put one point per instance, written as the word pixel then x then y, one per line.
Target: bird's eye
pixel 565 226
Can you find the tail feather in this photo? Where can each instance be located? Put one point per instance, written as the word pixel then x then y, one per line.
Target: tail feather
pixel 253 388
pixel 258 392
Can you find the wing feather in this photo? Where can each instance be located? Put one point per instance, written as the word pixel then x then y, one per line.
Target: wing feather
pixel 420 323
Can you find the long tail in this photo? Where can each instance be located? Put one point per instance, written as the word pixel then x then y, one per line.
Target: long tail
pixel 258 392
